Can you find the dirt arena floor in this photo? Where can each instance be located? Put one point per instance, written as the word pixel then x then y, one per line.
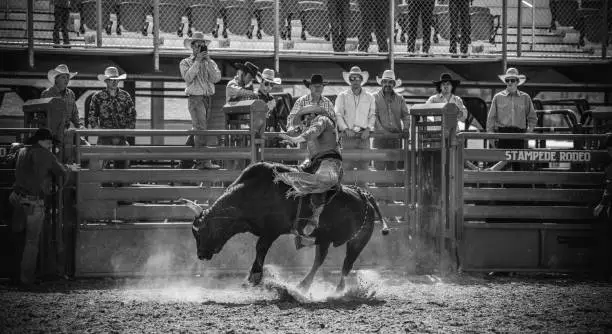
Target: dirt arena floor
pixel 373 302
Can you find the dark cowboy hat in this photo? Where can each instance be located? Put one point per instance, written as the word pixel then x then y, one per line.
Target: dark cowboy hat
pixel 447 77
pixel 248 67
pixel 315 79
pixel 42 134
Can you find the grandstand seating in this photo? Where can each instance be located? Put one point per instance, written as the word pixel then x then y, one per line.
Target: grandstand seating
pixel 203 17
pixel 170 18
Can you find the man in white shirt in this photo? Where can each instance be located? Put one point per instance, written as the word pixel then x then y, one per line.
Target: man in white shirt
pixel 355 114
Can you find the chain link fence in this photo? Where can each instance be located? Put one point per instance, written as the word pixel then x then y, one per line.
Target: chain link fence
pixel 539 28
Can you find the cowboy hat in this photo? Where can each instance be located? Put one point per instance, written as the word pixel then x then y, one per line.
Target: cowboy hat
pixel 248 67
pixel 309 109
pixel 197 36
pixel 41 134
pixel 389 75
pixel 355 70
pixel 446 77
pixel 315 79
pixel 60 69
pixel 513 73
pixel 268 75
pixel 111 73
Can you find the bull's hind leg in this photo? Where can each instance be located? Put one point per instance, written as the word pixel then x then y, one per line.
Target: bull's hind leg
pixel 319 258
pixel 262 247
pixel 353 249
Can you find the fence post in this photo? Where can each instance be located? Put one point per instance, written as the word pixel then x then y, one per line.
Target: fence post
pixel 276 35
pixel 391 33
pixel 504 35
pixel 99 23
pixel 30 33
pixel 604 43
pixel 519 27
pixel 156 35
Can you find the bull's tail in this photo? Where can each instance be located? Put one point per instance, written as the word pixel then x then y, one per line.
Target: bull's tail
pixel 370 198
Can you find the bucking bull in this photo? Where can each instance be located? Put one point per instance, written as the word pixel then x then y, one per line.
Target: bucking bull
pixel 255 203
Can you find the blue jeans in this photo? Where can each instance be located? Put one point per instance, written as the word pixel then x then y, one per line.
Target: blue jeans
pixel 198 109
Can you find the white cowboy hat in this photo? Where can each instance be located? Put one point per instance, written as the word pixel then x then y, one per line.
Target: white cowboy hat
pixel 268 75
pixel 111 73
pixel 309 109
pixel 60 69
pixel 197 36
pixel 389 75
pixel 513 73
pixel 356 70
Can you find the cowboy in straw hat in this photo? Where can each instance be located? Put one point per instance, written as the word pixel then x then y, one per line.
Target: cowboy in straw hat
pixel 111 73
pixel 391 116
pixel 200 73
pixel 241 86
pixel 267 80
pixel 388 76
pixel 513 73
pixel 60 77
pixel 354 73
pixel 511 111
pixel 446 87
pixel 356 114
pixel 112 108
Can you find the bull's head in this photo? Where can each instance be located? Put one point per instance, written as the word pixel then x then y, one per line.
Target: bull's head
pixel 208 241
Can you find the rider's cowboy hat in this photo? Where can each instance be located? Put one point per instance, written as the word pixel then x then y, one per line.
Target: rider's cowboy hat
pixel 268 75
pixel 248 67
pixel 111 73
pixel 41 134
pixel 446 77
pixel 315 79
pixel 513 73
pixel 197 36
pixel 310 109
pixel 355 70
pixel 389 75
pixel 60 69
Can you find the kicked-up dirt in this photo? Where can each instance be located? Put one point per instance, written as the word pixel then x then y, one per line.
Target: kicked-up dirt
pixel 373 302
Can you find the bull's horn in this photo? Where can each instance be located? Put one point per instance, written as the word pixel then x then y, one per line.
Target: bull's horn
pixel 197 229
pixel 193 206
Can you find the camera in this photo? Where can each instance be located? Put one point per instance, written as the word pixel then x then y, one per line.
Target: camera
pixel 203 48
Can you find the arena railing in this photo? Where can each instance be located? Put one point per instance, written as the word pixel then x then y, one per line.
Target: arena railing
pixel 537 213
pixel 533 28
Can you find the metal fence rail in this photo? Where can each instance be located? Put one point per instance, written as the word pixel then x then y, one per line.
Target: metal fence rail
pixel 463 28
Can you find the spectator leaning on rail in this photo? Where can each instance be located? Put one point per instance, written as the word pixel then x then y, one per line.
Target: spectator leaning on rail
pixel 200 74
pixel 602 228
pixel 355 114
pixel 446 87
pixel 511 112
pixel 34 171
pixel 61 14
pixel 391 117
pixel 112 108
pixel 241 86
pixel 60 77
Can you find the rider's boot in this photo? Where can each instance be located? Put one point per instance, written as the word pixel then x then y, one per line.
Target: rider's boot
pixel 317 203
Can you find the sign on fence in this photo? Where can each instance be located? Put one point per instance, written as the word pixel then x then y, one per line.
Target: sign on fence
pixel 548 156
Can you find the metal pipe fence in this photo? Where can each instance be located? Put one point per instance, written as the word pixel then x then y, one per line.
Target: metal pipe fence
pixel 388 28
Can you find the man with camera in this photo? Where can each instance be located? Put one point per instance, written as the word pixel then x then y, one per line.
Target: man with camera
pixel 200 74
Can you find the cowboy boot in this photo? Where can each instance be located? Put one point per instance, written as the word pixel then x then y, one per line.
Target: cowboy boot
pixel 317 203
